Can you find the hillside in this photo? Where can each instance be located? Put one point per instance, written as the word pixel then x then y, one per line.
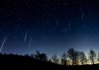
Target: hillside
pixel 29 62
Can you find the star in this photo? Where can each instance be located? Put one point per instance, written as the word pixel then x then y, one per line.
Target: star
pixel 57 22
pixel 65 3
pixel 29 7
pixel 69 26
pixel 82 15
pixel 0 8
pixel 65 30
pixel 43 38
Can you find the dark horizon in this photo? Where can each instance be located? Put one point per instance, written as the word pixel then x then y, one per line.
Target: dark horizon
pixel 48 26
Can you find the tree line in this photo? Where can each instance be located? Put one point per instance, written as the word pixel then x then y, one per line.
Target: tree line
pixel 71 57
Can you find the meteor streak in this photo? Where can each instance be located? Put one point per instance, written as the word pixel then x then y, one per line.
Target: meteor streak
pixel 25 36
pixel 30 42
pixel 4 40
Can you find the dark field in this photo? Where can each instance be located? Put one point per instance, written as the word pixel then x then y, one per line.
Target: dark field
pixel 31 63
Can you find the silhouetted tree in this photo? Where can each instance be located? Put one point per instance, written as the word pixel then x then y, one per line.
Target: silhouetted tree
pixel 82 57
pixel 92 56
pixel 73 55
pixel 55 59
pixel 41 56
pixel 50 60
pixel 98 57
pixel 64 59
pixel 26 55
pixel 32 55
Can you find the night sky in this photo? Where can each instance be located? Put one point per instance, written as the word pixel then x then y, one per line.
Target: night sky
pixel 50 26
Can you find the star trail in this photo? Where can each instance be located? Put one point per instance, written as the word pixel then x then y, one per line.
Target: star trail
pixel 50 26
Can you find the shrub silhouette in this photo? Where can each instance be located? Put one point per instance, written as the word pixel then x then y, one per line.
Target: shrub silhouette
pixel 55 59
pixel 41 56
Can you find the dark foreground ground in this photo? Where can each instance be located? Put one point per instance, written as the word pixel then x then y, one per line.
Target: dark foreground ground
pixel 15 61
